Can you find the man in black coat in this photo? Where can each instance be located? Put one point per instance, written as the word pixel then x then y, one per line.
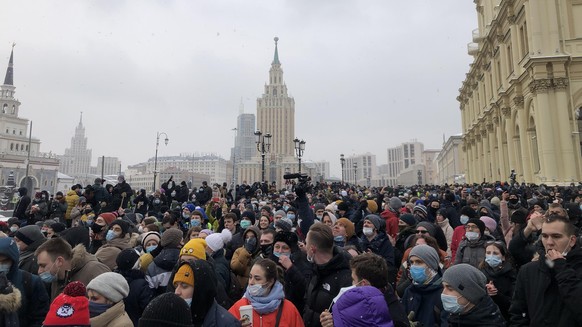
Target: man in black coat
pixel 548 292
pixel 121 192
pixel 22 204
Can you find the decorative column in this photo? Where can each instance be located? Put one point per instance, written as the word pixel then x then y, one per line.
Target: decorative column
pixel 523 142
pixel 568 171
pixel 544 123
pixel 510 146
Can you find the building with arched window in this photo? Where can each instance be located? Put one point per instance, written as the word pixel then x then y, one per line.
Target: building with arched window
pixel 520 100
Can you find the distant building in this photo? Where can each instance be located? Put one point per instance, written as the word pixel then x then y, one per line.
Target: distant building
pixel 209 165
pixel 449 162
pixel 77 158
pixel 108 166
pixel 360 169
pixel 244 144
pixel 430 167
pixel 403 157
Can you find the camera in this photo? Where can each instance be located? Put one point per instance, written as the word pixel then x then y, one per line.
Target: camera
pixel 302 181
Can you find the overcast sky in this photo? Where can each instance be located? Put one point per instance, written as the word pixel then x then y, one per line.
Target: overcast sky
pixel 366 75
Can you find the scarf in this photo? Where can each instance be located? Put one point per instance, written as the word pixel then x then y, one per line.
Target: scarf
pixel 269 303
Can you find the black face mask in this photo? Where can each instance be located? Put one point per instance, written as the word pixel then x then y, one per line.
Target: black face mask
pixel 97 228
pixel 513 201
pixel 267 249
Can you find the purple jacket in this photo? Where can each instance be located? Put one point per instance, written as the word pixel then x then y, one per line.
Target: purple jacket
pixel 361 306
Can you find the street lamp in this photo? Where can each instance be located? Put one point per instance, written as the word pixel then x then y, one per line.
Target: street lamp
pixel 343 162
pixel 263 146
pixel 166 140
pixel 355 173
pixel 299 150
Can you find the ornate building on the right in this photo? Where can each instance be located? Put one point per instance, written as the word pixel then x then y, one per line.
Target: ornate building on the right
pixel 521 102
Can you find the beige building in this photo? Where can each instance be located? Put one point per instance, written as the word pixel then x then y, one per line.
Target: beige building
pixel 449 162
pixel 430 168
pixel 522 96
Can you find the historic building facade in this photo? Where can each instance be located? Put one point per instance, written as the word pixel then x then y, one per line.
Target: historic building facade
pixel 520 100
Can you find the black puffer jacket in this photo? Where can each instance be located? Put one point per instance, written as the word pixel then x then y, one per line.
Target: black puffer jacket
pixel 485 314
pixel 325 284
pixel 547 296
pixel 503 278
pixel 139 296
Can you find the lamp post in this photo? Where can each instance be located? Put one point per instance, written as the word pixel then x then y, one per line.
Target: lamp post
pixel 343 162
pixel 166 140
pixel 355 173
pixel 299 150
pixel 263 146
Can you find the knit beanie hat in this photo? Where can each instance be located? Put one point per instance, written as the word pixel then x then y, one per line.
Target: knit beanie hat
pixel 280 213
pixel 479 224
pixel 428 226
pixel 109 217
pixel 495 201
pixel 467 280
pixel 427 254
pixel 318 206
pixel 284 224
pixel 395 203
pixel 70 308
pixel 124 225
pixel 207 232
pixel 190 207
pixel 519 216
pixel 172 237
pixel 57 227
pixel 372 206
pixel 332 207
pixel 166 310
pixel 343 206
pixel 408 219
pixel 468 211
pixel 217 241
pixel 288 238
pixel 126 259
pixel 196 248
pixel 489 222
pixel 153 235
pixel 248 215
pixel 185 275
pixel 111 285
pixel 29 234
pixel 348 225
pixel 375 220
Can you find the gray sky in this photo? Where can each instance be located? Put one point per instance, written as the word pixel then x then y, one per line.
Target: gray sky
pixel 366 75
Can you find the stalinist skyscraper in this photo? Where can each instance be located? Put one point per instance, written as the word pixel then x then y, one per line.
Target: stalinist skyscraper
pixel 276 111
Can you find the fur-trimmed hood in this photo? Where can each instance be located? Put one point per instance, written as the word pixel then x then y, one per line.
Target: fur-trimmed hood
pixel 80 258
pixel 10 303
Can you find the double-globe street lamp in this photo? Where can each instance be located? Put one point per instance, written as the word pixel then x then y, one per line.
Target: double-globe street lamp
pixel 299 150
pixel 166 140
pixel 355 173
pixel 343 162
pixel 263 146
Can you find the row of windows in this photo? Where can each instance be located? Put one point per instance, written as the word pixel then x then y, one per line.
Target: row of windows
pixel 18 147
pixel 13 132
pixel 5 109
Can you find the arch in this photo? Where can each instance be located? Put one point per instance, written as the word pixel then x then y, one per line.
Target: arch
pixel 13 109
pixel 4 108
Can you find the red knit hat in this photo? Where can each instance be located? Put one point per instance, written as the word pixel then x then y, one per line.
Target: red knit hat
pixel 109 217
pixel 71 308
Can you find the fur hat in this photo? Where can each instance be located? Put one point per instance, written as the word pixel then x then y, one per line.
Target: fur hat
pixel 427 254
pixel 288 238
pixel 172 237
pixel 166 310
pixel 196 248
pixel 70 308
pixel 467 280
pixel 29 234
pixel 111 285
pixel 217 241
pixel 348 225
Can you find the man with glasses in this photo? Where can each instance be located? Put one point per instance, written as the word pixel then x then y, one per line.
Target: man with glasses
pixel 472 248
pixel 548 291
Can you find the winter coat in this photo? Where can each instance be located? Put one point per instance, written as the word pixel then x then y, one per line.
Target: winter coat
pixel 391 218
pixel 37 215
pixel 28 259
pixel 84 267
pixel 241 261
pixel 108 252
pixel 503 278
pixel 458 236
pixel 325 284
pixel 139 295
pixel 425 301
pixel 381 246
pixel 547 296
pixel 113 317
pixel 472 253
pixel 399 316
pixel 236 242
pixel 160 270
pixel 35 302
pixel 218 316
pixel 360 307
pixel 448 232
pixel 290 317
pixel 57 210
pixel 222 268
pixel 21 205
pixel 522 248
pixel 72 199
pixel 296 278
pixel 9 305
pixel 485 314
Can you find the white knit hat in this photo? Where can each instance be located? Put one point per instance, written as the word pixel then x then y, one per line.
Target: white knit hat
pixel 111 285
pixel 217 241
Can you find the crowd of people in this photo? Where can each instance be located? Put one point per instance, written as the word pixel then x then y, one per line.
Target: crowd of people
pixel 329 254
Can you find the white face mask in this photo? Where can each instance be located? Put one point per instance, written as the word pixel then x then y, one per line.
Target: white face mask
pixel 368 231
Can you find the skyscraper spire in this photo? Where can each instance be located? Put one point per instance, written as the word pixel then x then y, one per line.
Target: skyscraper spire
pixel 9 79
pixel 276 58
pixel 241 107
pixel 81 119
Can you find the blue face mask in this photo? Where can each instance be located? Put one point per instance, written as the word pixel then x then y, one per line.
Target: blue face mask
pixel 493 261
pixel 472 236
pixel 418 274
pixel 281 254
pixel 110 235
pixel 291 216
pixel 244 224
pixel 339 238
pixel 5 267
pixel 189 301
pixel 150 248
pixel 464 219
pixel 195 223
pixel 450 304
pixel 46 275
pixel 257 290
pixel 96 309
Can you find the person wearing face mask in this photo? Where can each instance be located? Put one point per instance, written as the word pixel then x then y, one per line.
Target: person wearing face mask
pixel 548 291
pixel 98 230
pixel 266 242
pixel 295 267
pixel 500 273
pixel 241 261
pixel 465 298
pixel 318 210
pixel 215 249
pixel 423 296
pixel 140 293
pixel 106 307
pixel 158 271
pixel 150 241
pixel 266 296
pixel 35 302
pixel 472 248
pixel 59 264
pixel 118 238
pixel 195 282
pixel 344 234
pixel 466 213
pixel 375 240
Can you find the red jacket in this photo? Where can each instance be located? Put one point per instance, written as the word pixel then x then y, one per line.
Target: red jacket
pixel 458 236
pixel 289 318
pixel 391 222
